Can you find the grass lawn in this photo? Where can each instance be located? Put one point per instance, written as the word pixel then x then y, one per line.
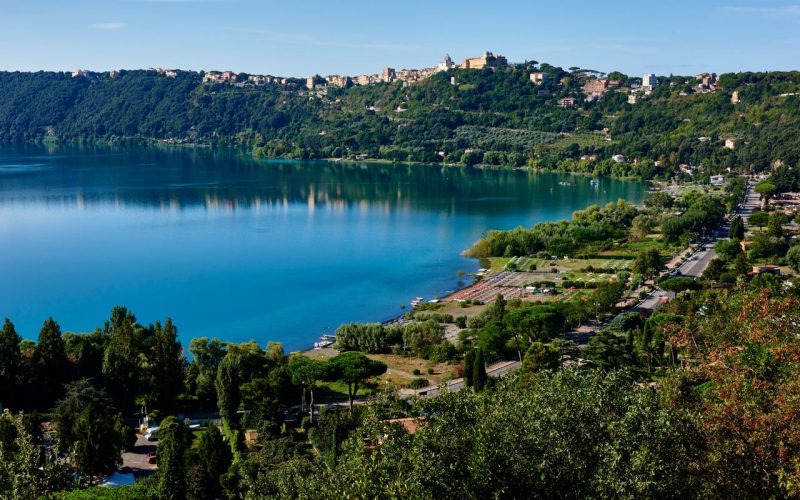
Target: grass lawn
pixel 400 370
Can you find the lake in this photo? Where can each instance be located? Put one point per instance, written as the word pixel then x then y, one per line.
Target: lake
pixel 240 249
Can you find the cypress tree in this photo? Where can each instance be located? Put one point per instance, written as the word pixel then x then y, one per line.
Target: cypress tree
pixel 171 477
pixel 9 362
pixel 469 361
pixel 736 231
pixel 479 376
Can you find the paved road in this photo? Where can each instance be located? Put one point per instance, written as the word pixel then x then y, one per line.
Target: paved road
pixel 699 261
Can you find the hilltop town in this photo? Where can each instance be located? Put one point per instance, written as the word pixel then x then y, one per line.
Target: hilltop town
pixel 594 84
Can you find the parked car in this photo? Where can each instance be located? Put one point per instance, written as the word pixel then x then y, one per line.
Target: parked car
pixel 152 458
pixel 151 434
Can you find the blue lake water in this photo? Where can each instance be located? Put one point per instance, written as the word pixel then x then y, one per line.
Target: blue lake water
pixel 241 249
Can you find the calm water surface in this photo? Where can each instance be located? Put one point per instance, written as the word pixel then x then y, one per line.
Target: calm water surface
pixel 240 249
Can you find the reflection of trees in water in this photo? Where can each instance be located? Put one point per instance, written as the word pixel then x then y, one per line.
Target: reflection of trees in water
pixel 185 177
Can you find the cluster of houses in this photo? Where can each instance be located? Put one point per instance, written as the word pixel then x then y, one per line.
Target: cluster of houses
pixel 407 76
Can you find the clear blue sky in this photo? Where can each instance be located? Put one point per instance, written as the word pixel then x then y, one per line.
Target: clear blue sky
pixel 300 38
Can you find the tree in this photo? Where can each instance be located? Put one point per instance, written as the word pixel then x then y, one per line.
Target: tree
pixel 210 461
pixel 99 442
pixel 469 367
pixel 740 264
pixel 775 226
pixel 28 469
pixel 171 476
pixel 679 284
pixel 648 262
pixel 759 219
pixel 736 231
pixel 203 371
pixel 641 226
pixel 121 373
pixel 479 376
pixel 793 258
pixel 52 359
pixel 498 308
pixel 609 350
pixel 540 357
pixel 766 189
pixel 659 201
pixel 354 368
pixel 167 366
pixel 228 383
pixel 10 358
pixel 306 372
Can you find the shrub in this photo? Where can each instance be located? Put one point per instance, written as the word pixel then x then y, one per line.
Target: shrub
pixel 419 383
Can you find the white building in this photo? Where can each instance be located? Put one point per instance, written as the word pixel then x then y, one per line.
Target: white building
pixel 649 81
pixel 539 77
pixel 717 180
pixel 446 64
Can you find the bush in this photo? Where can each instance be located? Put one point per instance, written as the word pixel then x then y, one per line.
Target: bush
pixel 419 383
pixel 430 371
pixel 416 371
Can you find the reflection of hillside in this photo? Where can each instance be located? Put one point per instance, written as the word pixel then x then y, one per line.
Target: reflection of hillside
pixel 178 179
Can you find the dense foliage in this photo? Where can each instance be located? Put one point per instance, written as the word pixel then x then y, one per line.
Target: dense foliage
pixel 491 117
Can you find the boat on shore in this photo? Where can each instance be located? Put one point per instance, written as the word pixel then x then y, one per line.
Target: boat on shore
pixel 416 302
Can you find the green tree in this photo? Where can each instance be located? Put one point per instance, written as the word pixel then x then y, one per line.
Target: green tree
pixel 99 442
pixel 793 258
pixel 210 460
pixel 766 189
pixel 306 372
pixel 775 226
pixel 469 367
pixel 10 358
pixel 207 354
pixel 51 359
pixel 479 376
pixel 228 384
pixel 171 476
pixel 27 469
pixel 736 231
pixel 679 284
pixel 648 263
pixel 354 368
pixel 759 219
pixel 540 357
pixel 167 366
pixel 740 264
pixel 121 363
pixel 498 309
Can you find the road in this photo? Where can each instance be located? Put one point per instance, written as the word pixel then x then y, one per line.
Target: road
pixel 698 261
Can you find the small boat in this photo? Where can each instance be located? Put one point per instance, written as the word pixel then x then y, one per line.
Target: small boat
pixel 416 302
pixel 595 182
pixel 323 343
pixel 565 183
